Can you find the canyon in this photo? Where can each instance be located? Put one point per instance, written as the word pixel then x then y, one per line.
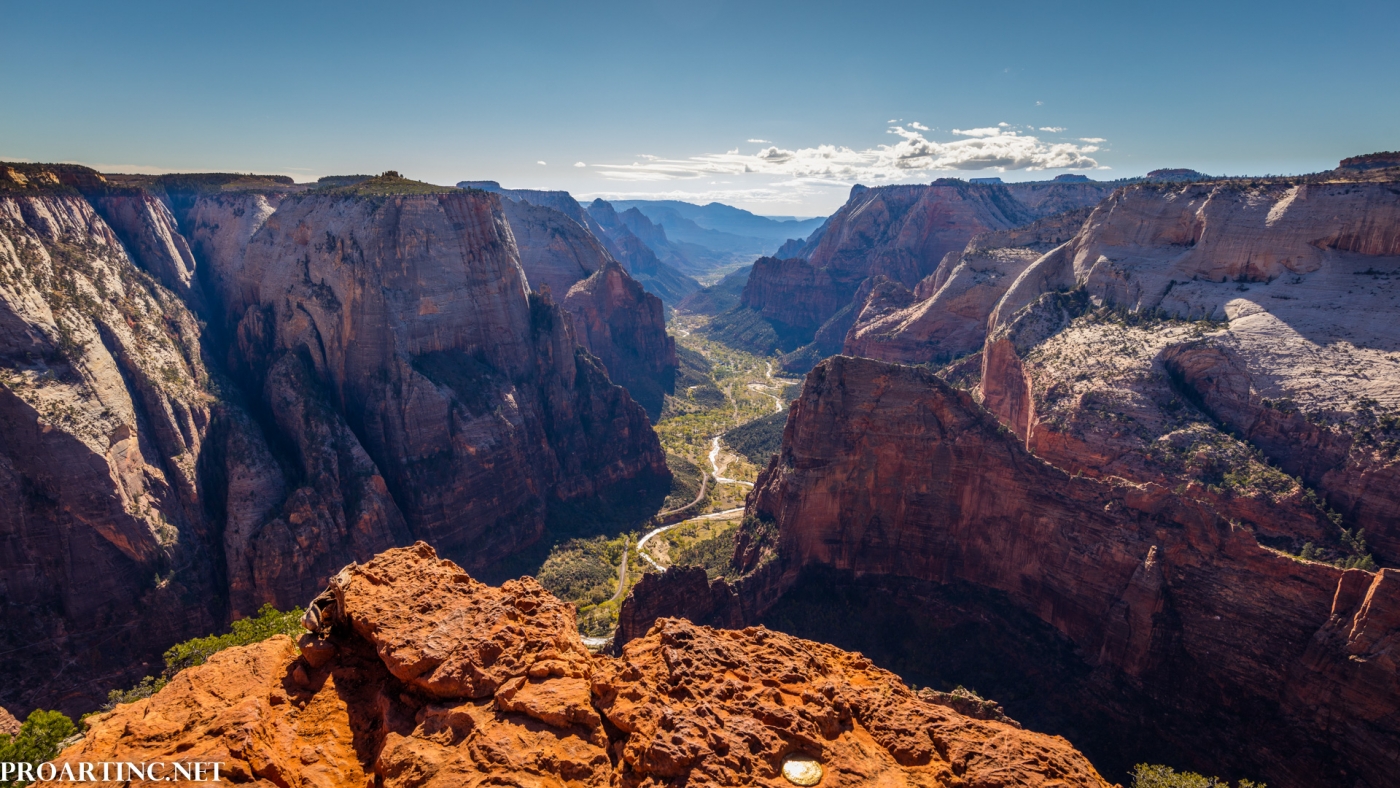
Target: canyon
pixel 1147 454
pixel 1123 456
pixel 220 389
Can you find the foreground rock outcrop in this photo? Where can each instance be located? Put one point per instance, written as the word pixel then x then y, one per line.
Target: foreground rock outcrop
pixel 1182 615
pixel 344 369
pixel 425 677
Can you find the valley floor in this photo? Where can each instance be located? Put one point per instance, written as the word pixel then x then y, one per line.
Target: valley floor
pixel 593 560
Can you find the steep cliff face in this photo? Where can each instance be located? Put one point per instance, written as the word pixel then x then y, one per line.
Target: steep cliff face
pixel 625 327
pixel 948 315
pixel 427 677
pixel 885 470
pixel 555 251
pixel 105 408
pixel 614 317
pixel 374 371
pixel 902 233
pixel 468 398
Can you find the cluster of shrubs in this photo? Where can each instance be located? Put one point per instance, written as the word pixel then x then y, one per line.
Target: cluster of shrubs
pixel 43 734
pixel 268 622
pixel 1158 776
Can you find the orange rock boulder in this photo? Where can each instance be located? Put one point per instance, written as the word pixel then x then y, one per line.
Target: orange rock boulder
pixel 427 677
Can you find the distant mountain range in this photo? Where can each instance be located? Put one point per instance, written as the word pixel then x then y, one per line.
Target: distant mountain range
pixel 671 247
pixel 717 238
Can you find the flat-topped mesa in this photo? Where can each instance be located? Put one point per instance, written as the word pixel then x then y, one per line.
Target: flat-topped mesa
pixel 425 677
pixel 468 396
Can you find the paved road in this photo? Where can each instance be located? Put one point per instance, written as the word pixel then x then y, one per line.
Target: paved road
pixel 641 543
pixel 621 575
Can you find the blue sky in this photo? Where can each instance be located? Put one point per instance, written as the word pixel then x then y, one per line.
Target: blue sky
pixel 776 107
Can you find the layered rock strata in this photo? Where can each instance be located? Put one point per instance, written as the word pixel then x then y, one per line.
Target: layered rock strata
pixel 105 413
pixel 900 232
pixel 886 470
pixel 614 317
pixel 368 368
pixel 426 677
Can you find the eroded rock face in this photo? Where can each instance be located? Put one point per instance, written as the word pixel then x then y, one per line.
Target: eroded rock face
pixel 902 233
pixel 555 251
pixel 105 411
pixel 887 470
pixel 613 315
pixel 373 370
pixel 945 316
pixel 1296 359
pixel 625 327
pixel 8 723
pixel 452 400
pixel 437 680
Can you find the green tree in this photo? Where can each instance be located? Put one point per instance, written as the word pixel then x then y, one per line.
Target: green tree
pixel 1155 775
pixel 38 741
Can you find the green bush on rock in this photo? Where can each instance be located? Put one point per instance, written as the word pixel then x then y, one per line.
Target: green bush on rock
pixel 268 622
pixel 1155 775
pixel 38 741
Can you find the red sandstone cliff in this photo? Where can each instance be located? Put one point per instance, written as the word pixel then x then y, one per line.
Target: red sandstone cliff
pixel 391 379
pixel 426 677
pixel 885 470
pixel 614 317
pixel 625 327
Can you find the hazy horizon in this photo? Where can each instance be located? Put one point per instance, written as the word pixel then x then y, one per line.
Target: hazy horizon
pixel 776 108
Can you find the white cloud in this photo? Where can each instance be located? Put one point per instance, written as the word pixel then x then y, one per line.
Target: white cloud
pixel 541 163
pixel 1092 140
pixel 985 131
pixel 918 125
pixel 580 164
pixel 991 147
pixel 761 142
pixel 1040 103
pixel 1053 129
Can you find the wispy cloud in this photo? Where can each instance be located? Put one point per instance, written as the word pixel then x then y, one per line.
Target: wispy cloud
pixel 762 142
pixel 1053 129
pixel 1093 140
pixel 541 163
pixel 580 164
pixel 990 147
pixel 918 125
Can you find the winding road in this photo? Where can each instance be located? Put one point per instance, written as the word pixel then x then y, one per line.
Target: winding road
pixel 641 543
